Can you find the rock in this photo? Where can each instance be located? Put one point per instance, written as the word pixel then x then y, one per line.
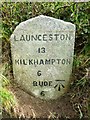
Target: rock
pixel 42 55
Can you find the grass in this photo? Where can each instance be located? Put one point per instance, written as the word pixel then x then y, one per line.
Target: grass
pixel 8 100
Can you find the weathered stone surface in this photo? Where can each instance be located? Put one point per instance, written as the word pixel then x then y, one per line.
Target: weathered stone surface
pixel 42 55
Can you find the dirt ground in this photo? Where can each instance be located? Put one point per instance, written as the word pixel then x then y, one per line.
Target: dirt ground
pixel 73 104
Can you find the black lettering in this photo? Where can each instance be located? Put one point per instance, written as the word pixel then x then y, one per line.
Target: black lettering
pixel 50 83
pixel 21 61
pixel 58 60
pixel 39 73
pixel 35 61
pixel 28 37
pixel 24 62
pixel 41 62
pixel 42 93
pixel 68 61
pixel 56 35
pixel 34 83
pixel 68 37
pixel 47 61
pixel 15 38
pixel 62 36
pixel 22 38
pixel 53 61
pixel 45 37
pixel 39 37
pixel 63 61
pixel 45 83
pixel 33 37
pixel 50 37
pixel 30 62
pixel 41 50
pixel 41 83
pixel 17 62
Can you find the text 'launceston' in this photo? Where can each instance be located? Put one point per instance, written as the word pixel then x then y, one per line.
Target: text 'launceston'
pixel 43 37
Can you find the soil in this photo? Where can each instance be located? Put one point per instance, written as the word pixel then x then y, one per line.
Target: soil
pixel 73 104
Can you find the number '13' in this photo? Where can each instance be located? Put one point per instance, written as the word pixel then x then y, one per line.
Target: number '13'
pixel 41 50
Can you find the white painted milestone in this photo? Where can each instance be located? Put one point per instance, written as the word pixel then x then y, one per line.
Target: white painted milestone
pixel 42 55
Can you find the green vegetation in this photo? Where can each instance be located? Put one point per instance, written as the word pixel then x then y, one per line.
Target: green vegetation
pixel 8 100
pixel 77 13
